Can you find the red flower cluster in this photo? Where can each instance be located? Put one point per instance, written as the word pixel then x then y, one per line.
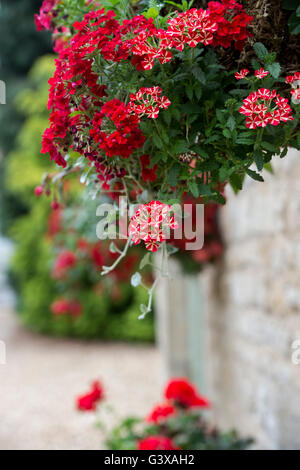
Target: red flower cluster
pixel 65 261
pixel 66 307
pixel 147 102
pixel 150 223
pixel 124 138
pixel 188 28
pixel 232 22
pixel 89 401
pixel 182 392
pixel 157 443
pixel 44 19
pixel 265 107
pixel 294 80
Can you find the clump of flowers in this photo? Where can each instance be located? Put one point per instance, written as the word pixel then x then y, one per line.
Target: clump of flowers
pixel 294 81
pixel 148 102
pixel 177 424
pixel 142 106
pixel 231 21
pixel 150 223
pixel 265 107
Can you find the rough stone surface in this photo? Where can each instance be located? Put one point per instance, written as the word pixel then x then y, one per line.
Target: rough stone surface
pixel 253 311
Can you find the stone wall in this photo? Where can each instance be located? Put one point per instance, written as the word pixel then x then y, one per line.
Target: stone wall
pixel 252 311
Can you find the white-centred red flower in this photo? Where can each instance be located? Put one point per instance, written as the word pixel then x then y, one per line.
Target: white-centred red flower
pixel 241 74
pixel 261 73
pixel 265 107
pixel 150 224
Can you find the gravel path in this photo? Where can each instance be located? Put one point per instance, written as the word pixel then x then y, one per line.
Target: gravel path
pixel 43 375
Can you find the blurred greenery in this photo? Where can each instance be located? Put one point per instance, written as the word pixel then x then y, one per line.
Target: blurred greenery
pixel 102 317
pixel 21 44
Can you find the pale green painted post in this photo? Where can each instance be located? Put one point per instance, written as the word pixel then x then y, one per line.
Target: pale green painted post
pixel 180 325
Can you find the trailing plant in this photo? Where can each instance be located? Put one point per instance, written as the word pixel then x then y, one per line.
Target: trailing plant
pixel 141 103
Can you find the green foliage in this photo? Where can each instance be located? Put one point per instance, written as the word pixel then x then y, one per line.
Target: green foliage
pixel 187 430
pixel 102 317
pixel 294 19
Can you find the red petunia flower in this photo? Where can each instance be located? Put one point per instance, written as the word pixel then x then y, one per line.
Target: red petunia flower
pixel 183 392
pixel 157 443
pixel 161 412
pixel 89 401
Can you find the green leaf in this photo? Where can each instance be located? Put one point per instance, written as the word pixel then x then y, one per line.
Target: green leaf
pixel 157 141
pixel 113 248
pixel 270 147
pixel 189 92
pixel 173 174
pixel 151 13
pixel 274 69
pixel 231 123
pixel 136 279
pixel 180 146
pixel 226 133
pixel 254 175
pixel 260 50
pixel 236 182
pixel 145 260
pixel 199 74
pixel 193 187
pixel 259 159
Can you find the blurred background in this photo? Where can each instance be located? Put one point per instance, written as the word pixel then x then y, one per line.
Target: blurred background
pixel 229 319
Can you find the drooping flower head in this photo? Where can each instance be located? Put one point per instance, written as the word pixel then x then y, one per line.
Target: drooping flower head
pixel 150 223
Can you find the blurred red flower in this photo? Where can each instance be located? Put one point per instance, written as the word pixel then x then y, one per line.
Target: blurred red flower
pixel 65 260
pixel 157 443
pixel 183 392
pixel 161 412
pixel 89 401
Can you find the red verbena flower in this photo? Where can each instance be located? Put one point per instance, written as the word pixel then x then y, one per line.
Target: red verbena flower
pixel 261 73
pixel 89 401
pixel 265 107
pixel 150 223
pixel 241 74
pixel 183 392
pixel 148 102
pixel 157 443
pixel 232 22
pixel 44 19
pixel 161 412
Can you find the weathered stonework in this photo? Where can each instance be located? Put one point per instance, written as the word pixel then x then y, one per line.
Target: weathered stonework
pixel 252 312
